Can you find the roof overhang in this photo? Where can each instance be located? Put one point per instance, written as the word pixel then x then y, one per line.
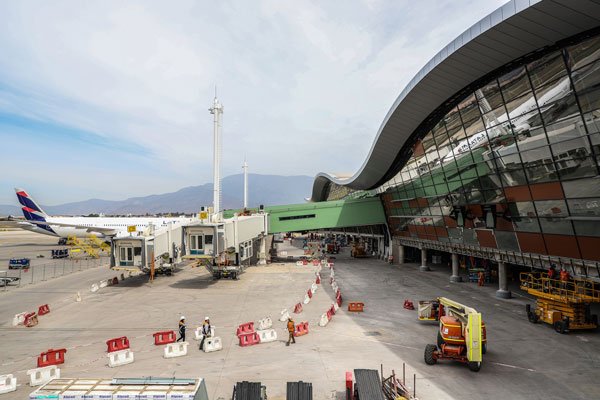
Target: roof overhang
pixel 513 31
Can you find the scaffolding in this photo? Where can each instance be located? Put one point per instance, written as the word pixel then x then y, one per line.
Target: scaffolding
pixel 563 304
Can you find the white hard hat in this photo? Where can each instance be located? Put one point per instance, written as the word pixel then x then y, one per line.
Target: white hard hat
pixel 206 318
pixel 182 317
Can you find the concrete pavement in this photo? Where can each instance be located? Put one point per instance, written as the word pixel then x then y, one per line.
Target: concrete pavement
pixel 524 361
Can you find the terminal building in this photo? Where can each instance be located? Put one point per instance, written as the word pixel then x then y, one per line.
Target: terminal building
pixel 492 151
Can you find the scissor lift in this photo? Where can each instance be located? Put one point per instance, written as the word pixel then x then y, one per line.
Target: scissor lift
pixel 563 304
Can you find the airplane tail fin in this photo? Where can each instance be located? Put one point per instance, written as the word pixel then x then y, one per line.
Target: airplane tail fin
pixel 31 210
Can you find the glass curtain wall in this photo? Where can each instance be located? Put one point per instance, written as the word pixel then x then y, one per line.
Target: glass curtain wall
pixel 514 165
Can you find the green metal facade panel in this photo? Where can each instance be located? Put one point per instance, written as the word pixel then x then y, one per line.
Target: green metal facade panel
pixel 322 215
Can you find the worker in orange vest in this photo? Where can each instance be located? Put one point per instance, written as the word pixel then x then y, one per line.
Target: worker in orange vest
pixel 564 278
pixel 480 278
pixel 290 327
pixel 551 272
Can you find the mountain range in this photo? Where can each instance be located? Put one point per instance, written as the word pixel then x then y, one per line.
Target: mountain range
pixel 262 189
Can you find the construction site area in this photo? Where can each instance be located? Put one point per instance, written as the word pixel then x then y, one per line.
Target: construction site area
pixel 371 332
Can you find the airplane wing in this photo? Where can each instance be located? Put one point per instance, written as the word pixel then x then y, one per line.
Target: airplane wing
pixel 104 231
pixel 10 223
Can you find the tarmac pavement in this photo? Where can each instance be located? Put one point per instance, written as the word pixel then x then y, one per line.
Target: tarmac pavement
pixel 524 361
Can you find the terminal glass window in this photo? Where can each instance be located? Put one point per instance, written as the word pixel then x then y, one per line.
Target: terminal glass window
pixel 527 141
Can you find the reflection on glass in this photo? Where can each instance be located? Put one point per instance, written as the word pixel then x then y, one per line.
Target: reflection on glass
pixel 546 69
pixel 587 85
pixel 535 124
pixel 583 53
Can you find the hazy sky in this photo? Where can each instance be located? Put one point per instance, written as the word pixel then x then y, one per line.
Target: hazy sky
pixel 109 99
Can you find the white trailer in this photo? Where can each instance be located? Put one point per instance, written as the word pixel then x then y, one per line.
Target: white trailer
pixel 122 389
pixel 163 246
pixel 227 245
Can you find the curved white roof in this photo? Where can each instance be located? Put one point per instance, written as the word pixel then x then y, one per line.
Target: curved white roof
pixel 515 30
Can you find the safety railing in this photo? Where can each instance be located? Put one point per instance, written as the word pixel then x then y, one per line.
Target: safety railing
pixel 580 268
pixel 14 278
pixel 572 290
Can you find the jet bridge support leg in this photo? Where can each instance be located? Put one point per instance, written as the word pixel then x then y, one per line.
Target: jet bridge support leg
pixel 455 277
pixel 502 291
pixel 424 266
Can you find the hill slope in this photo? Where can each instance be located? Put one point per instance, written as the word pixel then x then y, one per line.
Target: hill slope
pixel 263 189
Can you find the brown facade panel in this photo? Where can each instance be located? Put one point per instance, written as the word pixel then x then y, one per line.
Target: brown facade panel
pixel 547 191
pixel 430 230
pixel 450 222
pixel 422 202
pixel 531 242
pixel 504 225
pixel 562 246
pixel 441 232
pixel 475 211
pixel 421 230
pixel 517 193
pixel 486 238
pixel 590 247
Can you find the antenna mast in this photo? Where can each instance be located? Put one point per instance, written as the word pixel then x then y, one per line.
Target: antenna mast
pixel 245 168
pixel 217 111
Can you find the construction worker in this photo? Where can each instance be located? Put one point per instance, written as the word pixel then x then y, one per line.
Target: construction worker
pixel 564 278
pixel 206 331
pixel 551 272
pixel 291 328
pixel 181 329
pixel 480 278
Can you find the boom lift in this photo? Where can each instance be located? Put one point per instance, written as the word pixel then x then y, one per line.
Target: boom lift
pixel 461 336
pixel 564 305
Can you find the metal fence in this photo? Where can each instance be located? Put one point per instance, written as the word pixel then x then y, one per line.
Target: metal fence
pixel 52 269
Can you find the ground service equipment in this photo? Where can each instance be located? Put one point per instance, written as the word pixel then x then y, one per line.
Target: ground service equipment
pixel 368 385
pixel 249 391
pixel 461 336
pixel 17 263
pixel 563 304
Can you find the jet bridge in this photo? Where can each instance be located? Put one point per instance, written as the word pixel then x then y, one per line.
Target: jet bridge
pixel 160 248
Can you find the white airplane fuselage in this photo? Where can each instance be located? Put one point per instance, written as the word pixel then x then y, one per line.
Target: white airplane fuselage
pixel 85 225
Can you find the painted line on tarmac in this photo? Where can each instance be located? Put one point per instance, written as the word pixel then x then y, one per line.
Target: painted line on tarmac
pixel 513 366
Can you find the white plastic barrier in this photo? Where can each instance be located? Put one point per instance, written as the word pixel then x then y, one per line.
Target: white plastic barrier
pixel 18 319
pixel 173 350
pixel 94 288
pixel 198 332
pixel 212 344
pixel 8 383
pixel 332 274
pixel 103 283
pixel 299 263
pixel 285 314
pixel 39 376
pixel 330 265
pixel 267 335
pixel 265 323
pixel 324 320
pixel 306 299
pixel 335 306
pixel 78 297
pixel 313 288
pixel 121 357
pixel 335 286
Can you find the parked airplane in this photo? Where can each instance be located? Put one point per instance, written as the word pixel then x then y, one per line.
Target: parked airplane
pixel 40 222
pixel 519 118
